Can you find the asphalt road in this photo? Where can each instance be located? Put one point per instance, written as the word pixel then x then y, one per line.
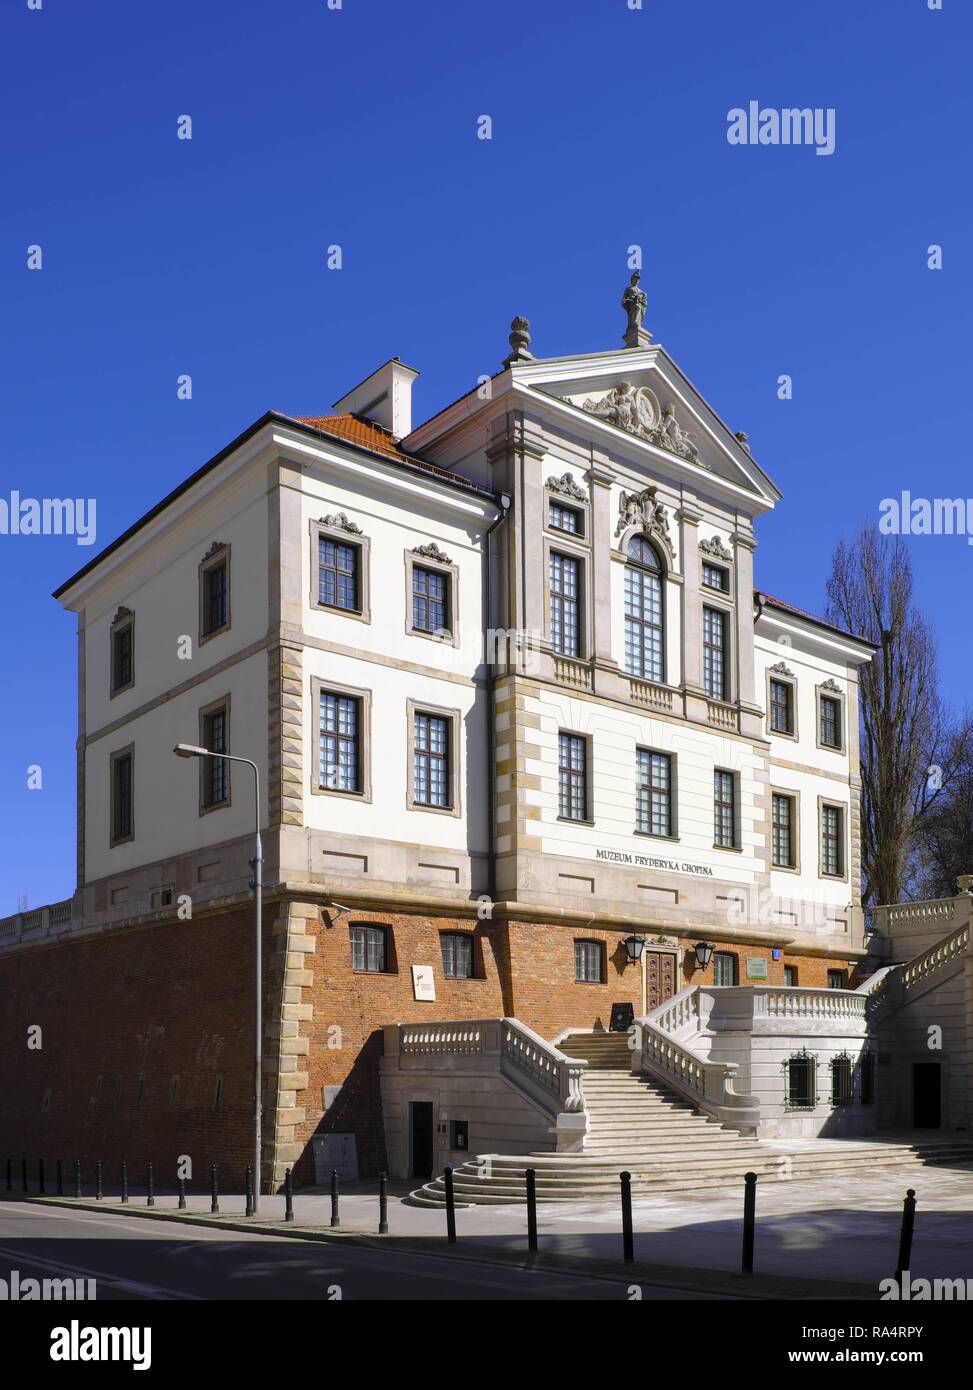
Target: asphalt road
pixel 132 1258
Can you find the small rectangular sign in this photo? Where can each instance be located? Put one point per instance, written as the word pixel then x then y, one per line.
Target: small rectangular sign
pixel 423 982
pixel 756 967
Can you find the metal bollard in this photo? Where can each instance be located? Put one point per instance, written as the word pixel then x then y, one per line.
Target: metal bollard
pixel 77 1177
pixel 248 1185
pixel 98 1191
pixel 182 1194
pixel 214 1200
pixel 150 1200
pixel 124 1182
pixel 40 1175
pixel 531 1177
pixel 749 1220
pixel 10 1179
pixel 334 1198
pixel 383 1204
pixel 60 1178
pixel 23 1173
pixel 628 1237
pixel 905 1236
pixel 288 1196
pixel 450 1206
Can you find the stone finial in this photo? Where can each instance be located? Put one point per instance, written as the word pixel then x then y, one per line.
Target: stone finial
pixel 519 341
pixel 965 883
pixel 635 302
pixel 743 438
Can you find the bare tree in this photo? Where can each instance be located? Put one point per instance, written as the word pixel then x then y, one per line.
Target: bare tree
pixel 944 843
pixel 907 746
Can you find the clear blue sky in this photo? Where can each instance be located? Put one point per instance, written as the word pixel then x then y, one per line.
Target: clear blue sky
pixel 313 126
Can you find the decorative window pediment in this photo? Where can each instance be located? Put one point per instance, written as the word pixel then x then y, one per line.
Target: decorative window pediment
pixel 338 521
pixel 715 547
pixel 642 511
pixel 567 486
pixel 431 551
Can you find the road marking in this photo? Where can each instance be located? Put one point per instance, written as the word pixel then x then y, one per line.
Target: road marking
pixel 63 1267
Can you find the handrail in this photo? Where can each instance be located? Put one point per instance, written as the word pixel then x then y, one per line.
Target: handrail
pixel 916 970
pixel 711 1084
pixel 544 1064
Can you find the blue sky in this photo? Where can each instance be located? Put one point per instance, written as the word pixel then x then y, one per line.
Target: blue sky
pixel 357 126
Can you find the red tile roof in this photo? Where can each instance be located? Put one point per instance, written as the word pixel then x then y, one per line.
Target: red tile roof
pixel 368 435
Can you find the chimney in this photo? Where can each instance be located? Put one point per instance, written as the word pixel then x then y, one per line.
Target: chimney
pixel 384 397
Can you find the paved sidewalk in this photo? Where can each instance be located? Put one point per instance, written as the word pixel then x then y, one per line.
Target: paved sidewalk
pixel 840 1230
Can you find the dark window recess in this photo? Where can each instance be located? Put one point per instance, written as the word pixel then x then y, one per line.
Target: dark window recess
pixel 121 669
pixel 369 949
pixel 216 608
pixel 459 1134
pixel 841 1073
pixel 800 1081
pixel 215 772
pixel 589 957
pixel 430 761
pixel 430 600
pixel 867 1082
pixel 837 979
pixel 790 974
pixel 781 707
pixel 457 949
pixel 339 584
pixel 724 968
pixel 572 777
pixel 830 722
pixel 121 797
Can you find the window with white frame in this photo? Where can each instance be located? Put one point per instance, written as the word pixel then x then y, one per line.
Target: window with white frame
pixel 653 792
pixel 369 948
pixel 644 611
pixel 724 809
pixel 589 962
pixel 339 752
pixel 339 574
pixel 565 593
pixel 572 777
pixel 430 760
pixel 832 841
pixel 457 949
pixel 782 831
pixel 714 653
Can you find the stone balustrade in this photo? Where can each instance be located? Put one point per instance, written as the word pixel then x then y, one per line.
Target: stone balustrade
pixel 36 922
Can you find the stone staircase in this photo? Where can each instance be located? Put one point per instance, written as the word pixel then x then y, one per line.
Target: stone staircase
pixel 640 1125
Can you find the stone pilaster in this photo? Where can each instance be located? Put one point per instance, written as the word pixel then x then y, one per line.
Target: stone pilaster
pixel 751 713
pixel 600 480
pixel 287 1043
pixel 285 734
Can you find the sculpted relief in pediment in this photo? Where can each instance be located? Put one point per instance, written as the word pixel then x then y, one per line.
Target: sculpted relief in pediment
pixel 637 409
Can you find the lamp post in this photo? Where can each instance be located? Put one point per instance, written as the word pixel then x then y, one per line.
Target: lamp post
pixel 190 750
pixel 704 953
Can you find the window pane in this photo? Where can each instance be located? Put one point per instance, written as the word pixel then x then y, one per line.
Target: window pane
pixel 338 574
pixel 780 707
pixel 430 761
pixel 339 761
pixel 782 852
pixel 565 613
pixel 830 722
pixel 653 796
pixel 122 797
pixel 457 948
pixel 588 961
pixel 429 600
pixel 564 518
pixel 216 778
pixel 122 657
pixel 215 608
pixel 724 969
pixel 724 809
pixel 644 645
pixel 572 777
pixel 831 840
pixel 714 644
pixel 368 948
pixel 715 578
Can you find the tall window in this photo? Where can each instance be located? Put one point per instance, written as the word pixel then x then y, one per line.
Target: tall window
pixel 122 653
pixel 653 792
pixel 644 620
pixel 800 1081
pixel 339 578
pixel 781 707
pixel 121 796
pixel 714 653
pixel 782 831
pixel 572 777
pixel 216 597
pixel 430 760
pixel 369 948
pixel 565 616
pixel 589 962
pixel 457 949
pixel 790 974
pixel 430 605
pixel 339 756
pixel 832 837
pixel 830 721
pixel 841 1092
pixel 724 809
pixel 724 968
pixel 214 771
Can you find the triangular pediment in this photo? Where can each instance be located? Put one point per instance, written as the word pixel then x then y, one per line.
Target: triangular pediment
pixel 639 397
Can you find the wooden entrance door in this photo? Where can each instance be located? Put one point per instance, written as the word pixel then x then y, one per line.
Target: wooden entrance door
pixel 660 977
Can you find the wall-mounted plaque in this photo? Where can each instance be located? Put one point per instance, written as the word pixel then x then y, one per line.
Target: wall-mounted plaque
pixel 423 982
pixel 756 967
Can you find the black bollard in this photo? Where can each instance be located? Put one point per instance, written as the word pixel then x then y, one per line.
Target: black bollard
pixel 150 1201
pixel 40 1175
pixel 10 1176
pixel 23 1173
pixel 383 1204
pixel 182 1194
pixel 288 1197
pixel 749 1220
pixel 98 1191
pixel 334 1198
pixel 248 1184
pixel 628 1238
pixel 214 1201
pixel 77 1177
pixel 905 1237
pixel 124 1182
pixel 60 1178
pixel 450 1206
pixel 531 1177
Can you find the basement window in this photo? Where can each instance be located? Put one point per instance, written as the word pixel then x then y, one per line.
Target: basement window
pixel 867 1081
pixel 800 1081
pixel 841 1092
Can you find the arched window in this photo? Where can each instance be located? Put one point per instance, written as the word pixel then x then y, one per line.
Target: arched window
pixel 644 611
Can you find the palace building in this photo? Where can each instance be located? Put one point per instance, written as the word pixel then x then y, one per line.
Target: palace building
pixel 537 755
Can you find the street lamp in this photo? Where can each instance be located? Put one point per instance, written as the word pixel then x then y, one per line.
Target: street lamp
pixel 704 953
pixel 190 750
pixel 634 946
